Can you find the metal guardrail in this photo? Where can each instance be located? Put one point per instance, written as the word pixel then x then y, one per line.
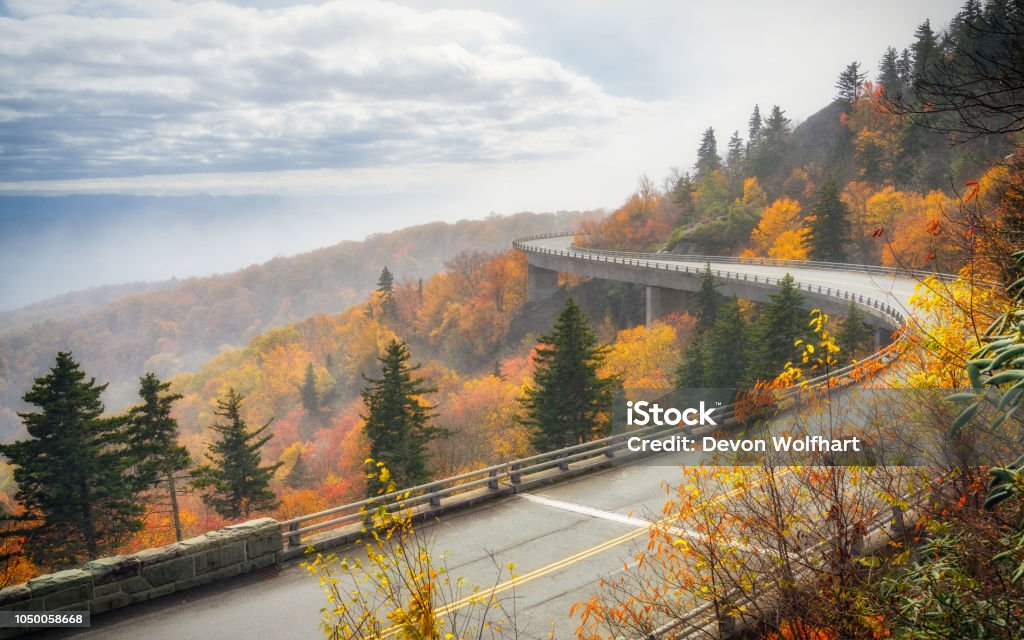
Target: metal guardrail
pixel 430 495
pixel 519 243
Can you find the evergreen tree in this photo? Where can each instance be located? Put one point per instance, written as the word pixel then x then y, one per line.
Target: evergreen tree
pixel 889 71
pixel 727 349
pixel 298 475
pixel 73 472
pixel 308 393
pixel 682 195
pixel 848 85
pixel 767 157
pixel 397 420
pixel 781 323
pixel 735 155
pixel 925 48
pixel 854 335
pixel 386 289
pixel 154 440
pixel 754 126
pixel 905 66
pixel 708 160
pixel 567 403
pixel 776 125
pixel 707 300
pixel 235 484
pixel 690 372
pixel 830 229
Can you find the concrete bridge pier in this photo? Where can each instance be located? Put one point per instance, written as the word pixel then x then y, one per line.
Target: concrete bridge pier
pixel 539 282
pixel 662 301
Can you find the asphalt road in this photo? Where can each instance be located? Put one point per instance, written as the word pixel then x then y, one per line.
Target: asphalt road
pixel 562 539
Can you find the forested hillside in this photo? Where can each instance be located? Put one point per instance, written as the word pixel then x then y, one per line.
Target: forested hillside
pixel 176 329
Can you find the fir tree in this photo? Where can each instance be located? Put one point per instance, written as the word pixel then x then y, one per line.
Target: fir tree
pixel 735 155
pixel 298 475
pixel 682 195
pixel 386 289
pixel 690 372
pixel 754 126
pixel 153 438
pixel 235 484
pixel 925 48
pixel 848 85
pixel 567 403
pixel 398 422
pixel 905 66
pixel 707 155
pixel 854 335
pixel 308 393
pixel 781 323
pixel 776 125
pixel 889 72
pixel 727 349
pixel 73 472
pixel 707 300
pixel 830 228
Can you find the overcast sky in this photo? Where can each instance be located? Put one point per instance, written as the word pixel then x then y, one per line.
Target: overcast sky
pixel 434 109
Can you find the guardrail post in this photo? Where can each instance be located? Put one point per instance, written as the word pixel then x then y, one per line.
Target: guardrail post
pixel 562 464
pixel 435 498
pixel 515 476
pixel 492 482
pixel 898 525
pixel 293 540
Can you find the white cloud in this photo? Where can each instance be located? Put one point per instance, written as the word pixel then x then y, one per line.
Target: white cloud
pixel 115 89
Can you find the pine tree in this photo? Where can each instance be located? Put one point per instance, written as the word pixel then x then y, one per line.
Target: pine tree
pixel 386 289
pixel 776 125
pixel 889 72
pixel 298 475
pixel 73 472
pixel 848 85
pixel 735 155
pixel 707 300
pixel 153 438
pixel 567 403
pixel 905 66
pixel 854 335
pixel 781 323
pixel 754 126
pixel 682 195
pixel 727 349
pixel 235 484
pixel 690 372
pixel 925 48
pixel 310 396
pixel 398 422
pixel 707 155
pixel 830 228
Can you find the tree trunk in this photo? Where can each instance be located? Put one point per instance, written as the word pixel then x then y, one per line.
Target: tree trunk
pixel 175 515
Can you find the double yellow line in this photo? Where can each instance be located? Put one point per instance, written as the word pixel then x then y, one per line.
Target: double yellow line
pixel 487 595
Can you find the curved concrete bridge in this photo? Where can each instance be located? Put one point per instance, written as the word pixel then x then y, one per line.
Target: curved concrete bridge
pixel 563 538
pixel 882 293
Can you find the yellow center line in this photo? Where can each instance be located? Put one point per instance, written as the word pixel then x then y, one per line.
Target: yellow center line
pixel 564 562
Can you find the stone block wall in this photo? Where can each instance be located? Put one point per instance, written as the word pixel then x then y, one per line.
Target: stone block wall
pixel 111 583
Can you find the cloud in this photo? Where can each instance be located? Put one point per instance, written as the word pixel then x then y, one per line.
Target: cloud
pixel 114 89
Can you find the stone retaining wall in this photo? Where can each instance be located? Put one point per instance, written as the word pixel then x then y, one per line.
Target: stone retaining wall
pixel 111 583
